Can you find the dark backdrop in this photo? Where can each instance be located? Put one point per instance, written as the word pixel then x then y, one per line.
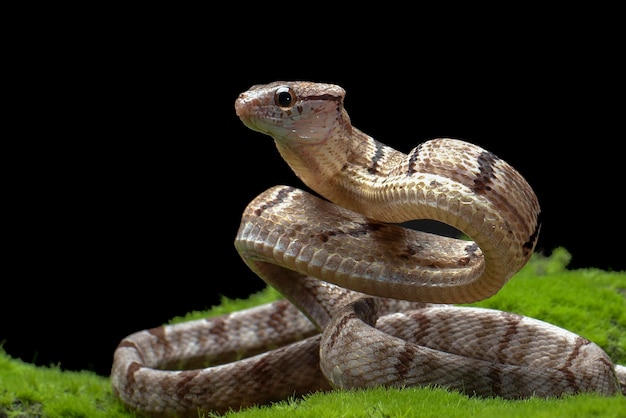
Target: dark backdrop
pixel 131 169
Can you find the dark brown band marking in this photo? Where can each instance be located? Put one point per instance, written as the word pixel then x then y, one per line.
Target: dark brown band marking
pixel 486 161
pixel 530 244
pixel 159 333
pixel 409 251
pixel 405 360
pixel 413 159
pixel 218 329
pixel 280 197
pixel 184 382
pixel 363 310
pixel 378 155
pixel 363 229
pixel 339 326
pixel 126 344
pixel 130 377
pixel 277 318
pixel 496 373
pixel 327 97
pixel 566 369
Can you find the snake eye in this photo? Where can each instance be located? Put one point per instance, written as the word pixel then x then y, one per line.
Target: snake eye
pixel 284 97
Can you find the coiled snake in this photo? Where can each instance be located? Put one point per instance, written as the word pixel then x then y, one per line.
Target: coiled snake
pixel 367 299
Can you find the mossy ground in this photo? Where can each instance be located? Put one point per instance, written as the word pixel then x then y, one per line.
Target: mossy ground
pixel 589 302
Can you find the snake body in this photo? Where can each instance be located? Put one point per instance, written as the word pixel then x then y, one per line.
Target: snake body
pixel 367 302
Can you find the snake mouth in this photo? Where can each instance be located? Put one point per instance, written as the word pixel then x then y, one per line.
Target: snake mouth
pixel 251 120
pixel 278 129
pixel 257 125
pixel 249 123
pixel 240 104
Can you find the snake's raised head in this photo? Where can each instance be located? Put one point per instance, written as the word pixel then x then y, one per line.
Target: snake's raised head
pixel 293 112
pixel 309 124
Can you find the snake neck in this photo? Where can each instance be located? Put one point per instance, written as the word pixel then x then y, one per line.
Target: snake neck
pixel 349 168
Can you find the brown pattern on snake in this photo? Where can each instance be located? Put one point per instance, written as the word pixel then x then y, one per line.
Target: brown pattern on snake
pixel 359 291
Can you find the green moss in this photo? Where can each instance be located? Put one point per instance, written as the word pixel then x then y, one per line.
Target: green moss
pixel 29 391
pixel 435 403
pixel 231 305
pixel 589 302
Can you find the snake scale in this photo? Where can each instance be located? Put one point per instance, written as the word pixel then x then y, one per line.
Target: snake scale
pixel 367 301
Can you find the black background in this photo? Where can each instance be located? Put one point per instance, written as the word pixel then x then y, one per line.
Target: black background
pixel 130 169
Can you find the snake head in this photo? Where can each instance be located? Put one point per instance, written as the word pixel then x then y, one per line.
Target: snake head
pixel 293 112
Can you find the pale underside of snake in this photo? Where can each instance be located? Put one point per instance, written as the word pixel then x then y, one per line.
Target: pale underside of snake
pixel 367 302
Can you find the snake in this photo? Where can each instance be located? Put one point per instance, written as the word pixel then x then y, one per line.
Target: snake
pixel 367 300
